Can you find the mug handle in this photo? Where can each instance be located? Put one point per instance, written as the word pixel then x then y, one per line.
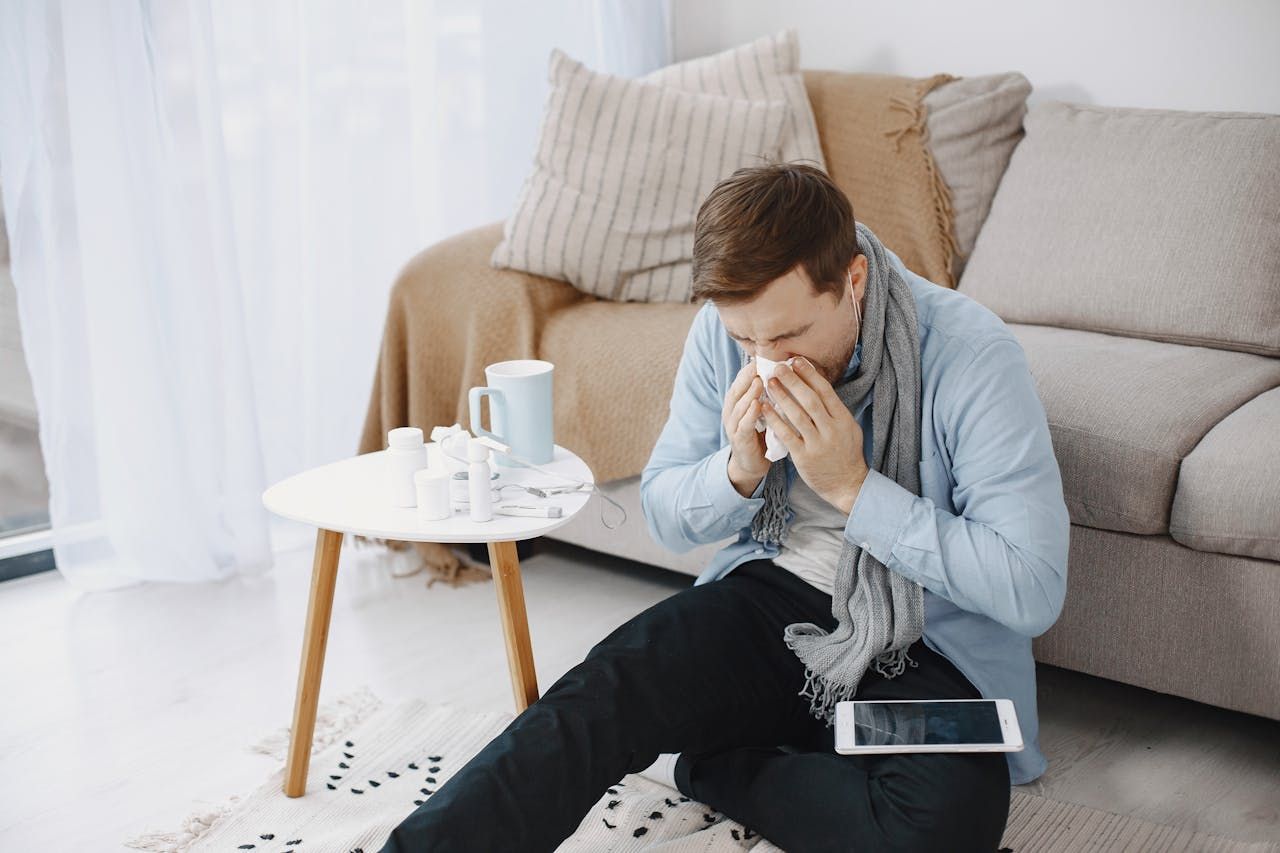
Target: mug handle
pixel 473 401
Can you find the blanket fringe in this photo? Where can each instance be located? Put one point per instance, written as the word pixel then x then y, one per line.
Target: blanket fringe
pixel 917 122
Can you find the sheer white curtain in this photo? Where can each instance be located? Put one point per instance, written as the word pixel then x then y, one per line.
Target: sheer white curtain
pixel 207 203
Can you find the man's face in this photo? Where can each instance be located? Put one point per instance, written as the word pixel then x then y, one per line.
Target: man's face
pixel 789 319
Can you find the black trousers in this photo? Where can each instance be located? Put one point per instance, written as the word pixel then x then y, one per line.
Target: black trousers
pixel 705 673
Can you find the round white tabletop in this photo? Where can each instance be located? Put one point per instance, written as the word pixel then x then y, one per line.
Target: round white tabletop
pixel 351 496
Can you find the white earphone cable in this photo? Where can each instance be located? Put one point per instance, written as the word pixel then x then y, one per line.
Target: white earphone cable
pixel 541 492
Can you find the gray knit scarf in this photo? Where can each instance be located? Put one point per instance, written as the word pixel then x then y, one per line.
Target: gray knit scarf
pixel 880 612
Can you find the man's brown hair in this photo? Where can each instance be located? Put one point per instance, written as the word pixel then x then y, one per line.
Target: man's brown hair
pixel 760 222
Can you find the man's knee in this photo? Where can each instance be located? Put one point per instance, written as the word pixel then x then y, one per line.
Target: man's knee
pixel 664 625
pixel 951 801
pixel 612 683
pixel 695 618
pixel 599 682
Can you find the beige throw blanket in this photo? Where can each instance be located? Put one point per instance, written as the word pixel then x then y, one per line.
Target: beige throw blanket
pixel 874 138
pixel 451 313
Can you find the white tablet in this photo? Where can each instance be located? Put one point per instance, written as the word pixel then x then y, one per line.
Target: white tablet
pixel 927 725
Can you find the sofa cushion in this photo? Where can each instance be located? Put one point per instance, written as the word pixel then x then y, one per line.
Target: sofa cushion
pixel 1158 224
pixel 619 172
pixel 765 69
pixel 1228 497
pixel 974 124
pixel 1123 412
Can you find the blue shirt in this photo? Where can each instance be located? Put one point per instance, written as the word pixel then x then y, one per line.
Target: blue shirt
pixel 986 538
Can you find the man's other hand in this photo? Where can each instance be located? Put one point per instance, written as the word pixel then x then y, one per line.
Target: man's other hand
pixel 747 463
pixel 825 442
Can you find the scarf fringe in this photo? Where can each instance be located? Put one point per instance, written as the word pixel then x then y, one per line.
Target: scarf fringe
pixel 769 526
pixel 804 639
pixel 824 694
pixel 893 663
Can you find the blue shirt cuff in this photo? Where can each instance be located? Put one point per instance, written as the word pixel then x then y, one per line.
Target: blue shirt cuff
pixel 879 515
pixel 724 498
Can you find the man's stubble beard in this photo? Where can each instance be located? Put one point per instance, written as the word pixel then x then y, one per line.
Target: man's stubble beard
pixel 834 372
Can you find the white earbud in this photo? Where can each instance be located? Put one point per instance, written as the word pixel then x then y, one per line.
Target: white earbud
pixel 856 310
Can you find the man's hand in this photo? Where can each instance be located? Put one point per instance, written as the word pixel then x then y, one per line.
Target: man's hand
pixel 826 443
pixel 747 464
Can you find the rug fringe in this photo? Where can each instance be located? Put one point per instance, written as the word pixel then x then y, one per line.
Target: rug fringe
pixel 333 720
pixel 195 825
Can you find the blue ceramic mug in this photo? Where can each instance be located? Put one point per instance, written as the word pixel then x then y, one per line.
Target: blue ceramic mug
pixel 520 409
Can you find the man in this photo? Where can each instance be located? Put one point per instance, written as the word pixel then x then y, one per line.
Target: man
pixel 835 562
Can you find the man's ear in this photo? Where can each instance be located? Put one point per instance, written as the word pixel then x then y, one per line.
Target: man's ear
pixel 858 275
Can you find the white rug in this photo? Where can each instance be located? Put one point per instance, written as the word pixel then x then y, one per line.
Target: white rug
pixel 371 765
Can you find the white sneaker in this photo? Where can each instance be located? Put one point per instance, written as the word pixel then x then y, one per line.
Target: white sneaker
pixel 663 771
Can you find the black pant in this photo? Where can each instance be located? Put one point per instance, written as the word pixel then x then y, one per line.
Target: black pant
pixel 705 673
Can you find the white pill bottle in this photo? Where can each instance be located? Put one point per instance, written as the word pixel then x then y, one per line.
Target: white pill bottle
pixel 478 476
pixel 406 454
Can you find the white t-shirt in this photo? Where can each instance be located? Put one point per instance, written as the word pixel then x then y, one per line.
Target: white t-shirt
pixel 811 549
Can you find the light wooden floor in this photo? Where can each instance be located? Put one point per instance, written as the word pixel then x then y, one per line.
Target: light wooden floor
pixel 120 711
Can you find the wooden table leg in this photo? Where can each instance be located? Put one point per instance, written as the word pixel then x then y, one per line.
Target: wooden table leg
pixel 324 575
pixel 505 563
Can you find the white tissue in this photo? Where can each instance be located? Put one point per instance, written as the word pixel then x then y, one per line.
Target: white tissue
pixel 774 448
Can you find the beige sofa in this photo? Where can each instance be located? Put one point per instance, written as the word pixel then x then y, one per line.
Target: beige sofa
pixel 1136 256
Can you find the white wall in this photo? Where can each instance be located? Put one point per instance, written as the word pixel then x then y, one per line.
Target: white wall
pixel 1177 54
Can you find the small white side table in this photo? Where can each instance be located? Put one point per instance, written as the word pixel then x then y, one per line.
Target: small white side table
pixel 349 496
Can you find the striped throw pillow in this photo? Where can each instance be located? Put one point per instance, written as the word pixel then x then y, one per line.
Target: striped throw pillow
pixel 765 69
pixel 621 168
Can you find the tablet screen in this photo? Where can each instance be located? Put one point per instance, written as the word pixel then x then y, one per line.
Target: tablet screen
pixel 887 723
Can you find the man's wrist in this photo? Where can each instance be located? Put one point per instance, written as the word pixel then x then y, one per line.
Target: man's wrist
pixel 744 484
pixel 850 497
